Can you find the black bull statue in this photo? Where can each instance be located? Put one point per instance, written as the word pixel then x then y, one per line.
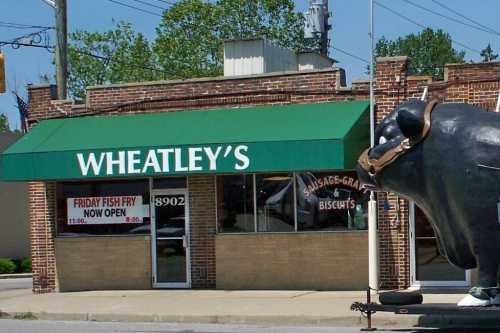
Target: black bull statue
pixel 446 158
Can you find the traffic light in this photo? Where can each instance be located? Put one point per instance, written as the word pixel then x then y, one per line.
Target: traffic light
pixel 2 74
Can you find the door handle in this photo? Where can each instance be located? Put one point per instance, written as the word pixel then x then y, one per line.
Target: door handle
pixel 185 241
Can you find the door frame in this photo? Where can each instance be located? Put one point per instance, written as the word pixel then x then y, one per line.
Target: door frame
pixel 187 239
pixel 414 283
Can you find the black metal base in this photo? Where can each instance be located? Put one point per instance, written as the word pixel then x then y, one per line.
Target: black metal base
pixel 369 308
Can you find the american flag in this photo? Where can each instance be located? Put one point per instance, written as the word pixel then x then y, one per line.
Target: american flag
pixel 23 113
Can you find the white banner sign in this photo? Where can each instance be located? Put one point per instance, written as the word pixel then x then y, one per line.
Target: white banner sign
pixel 105 210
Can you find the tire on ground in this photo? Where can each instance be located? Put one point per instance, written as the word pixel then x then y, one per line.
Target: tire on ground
pixel 400 298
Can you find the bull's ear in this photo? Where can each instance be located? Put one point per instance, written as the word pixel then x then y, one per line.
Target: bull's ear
pixel 410 124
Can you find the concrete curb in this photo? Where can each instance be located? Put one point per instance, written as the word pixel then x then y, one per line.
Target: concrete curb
pixel 16 276
pixel 382 321
pixel 355 320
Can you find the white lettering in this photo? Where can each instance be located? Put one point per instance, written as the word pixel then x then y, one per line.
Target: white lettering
pixel 193 158
pixel 245 161
pixel 133 161
pixel 164 160
pixel 178 160
pixel 91 162
pixel 110 162
pixel 151 161
pixel 212 156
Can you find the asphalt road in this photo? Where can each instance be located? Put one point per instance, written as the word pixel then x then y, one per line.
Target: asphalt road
pixel 40 326
pixel 13 284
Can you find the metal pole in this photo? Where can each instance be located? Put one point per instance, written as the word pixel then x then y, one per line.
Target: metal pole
pixel 61 48
pixel 373 255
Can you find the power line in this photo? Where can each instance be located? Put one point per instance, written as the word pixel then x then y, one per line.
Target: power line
pixel 149 4
pixel 166 2
pixel 110 59
pixel 448 17
pixel 422 26
pixel 350 54
pixel 22 26
pixel 465 17
pixel 136 8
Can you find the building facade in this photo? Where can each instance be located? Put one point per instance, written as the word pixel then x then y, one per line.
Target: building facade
pixel 291 216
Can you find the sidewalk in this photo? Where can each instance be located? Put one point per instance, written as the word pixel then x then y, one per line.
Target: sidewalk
pixel 205 306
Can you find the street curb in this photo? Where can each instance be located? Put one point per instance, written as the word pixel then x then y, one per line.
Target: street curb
pixel 383 321
pixel 348 321
pixel 16 276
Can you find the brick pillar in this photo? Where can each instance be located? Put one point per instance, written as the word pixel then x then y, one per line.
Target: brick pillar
pixel 202 229
pixel 42 232
pixel 390 91
pixel 39 97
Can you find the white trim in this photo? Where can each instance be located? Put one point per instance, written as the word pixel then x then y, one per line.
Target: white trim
pixel 295 208
pixel 254 188
pixel 416 284
pixel 185 192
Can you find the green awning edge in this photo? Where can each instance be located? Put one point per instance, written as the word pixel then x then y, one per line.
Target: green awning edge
pixel 21 164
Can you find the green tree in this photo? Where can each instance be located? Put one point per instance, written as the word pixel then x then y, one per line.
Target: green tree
pixel 4 123
pixel 488 54
pixel 189 42
pixel 117 55
pixel 190 36
pixel 428 51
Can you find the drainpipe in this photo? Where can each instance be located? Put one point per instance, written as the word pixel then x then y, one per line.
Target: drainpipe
pixel 373 253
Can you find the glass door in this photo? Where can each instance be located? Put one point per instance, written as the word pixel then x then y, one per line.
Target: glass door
pixel 170 239
pixel 429 267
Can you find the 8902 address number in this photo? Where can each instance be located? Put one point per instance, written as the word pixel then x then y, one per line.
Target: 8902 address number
pixel 170 201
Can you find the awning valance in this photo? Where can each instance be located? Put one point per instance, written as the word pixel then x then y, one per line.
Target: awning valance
pixel 267 138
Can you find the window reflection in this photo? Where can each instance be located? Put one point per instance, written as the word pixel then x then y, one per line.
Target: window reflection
pixel 330 201
pixel 275 207
pixel 235 204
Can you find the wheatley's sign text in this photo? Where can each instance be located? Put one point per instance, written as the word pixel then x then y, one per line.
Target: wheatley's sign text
pixel 167 160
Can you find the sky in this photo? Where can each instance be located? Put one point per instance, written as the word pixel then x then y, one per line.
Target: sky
pixel 350 21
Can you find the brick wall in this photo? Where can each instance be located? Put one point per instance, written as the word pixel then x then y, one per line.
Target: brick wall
pixel 390 90
pixel 42 231
pixel 103 263
pixel 295 261
pixel 202 230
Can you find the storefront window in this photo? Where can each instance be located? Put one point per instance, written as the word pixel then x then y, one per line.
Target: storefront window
pixel 103 208
pixel 275 207
pixel 330 201
pixel 318 201
pixel 235 203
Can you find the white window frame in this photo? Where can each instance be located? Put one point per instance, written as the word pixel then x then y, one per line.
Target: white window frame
pixel 185 192
pixel 417 284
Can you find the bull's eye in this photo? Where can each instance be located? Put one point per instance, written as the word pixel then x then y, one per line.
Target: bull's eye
pixel 382 140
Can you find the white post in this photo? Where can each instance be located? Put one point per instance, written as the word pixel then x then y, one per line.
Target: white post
pixel 498 103
pixel 373 253
pixel 424 94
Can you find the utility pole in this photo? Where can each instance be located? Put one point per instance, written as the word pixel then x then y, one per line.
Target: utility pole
pixel 324 35
pixel 61 48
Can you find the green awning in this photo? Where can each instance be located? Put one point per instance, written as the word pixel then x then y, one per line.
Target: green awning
pixel 295 137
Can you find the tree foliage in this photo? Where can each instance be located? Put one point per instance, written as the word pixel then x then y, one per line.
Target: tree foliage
pixel 4 123
pixel 428 51
pixel 117 55
pixel 189 42
pixel 488 54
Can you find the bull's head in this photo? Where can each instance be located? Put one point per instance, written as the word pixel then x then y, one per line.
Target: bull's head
pixel 393 163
